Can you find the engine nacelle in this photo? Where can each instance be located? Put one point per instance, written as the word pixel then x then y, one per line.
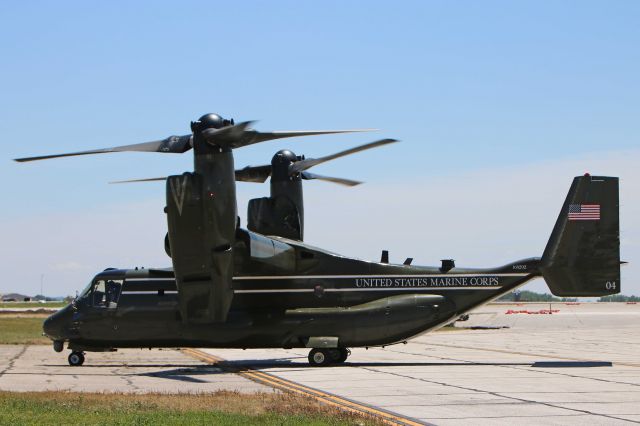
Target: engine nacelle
pixel 200 249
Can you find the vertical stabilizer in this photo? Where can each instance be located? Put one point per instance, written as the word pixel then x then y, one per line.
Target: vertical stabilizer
pixel 582 257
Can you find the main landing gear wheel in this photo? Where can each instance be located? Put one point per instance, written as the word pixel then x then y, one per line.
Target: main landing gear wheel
pixel 76 359
pixel 324 357
pixel 344 354
pixel 320 357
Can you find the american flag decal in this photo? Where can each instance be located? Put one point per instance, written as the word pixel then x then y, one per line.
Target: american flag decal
pixel 584 211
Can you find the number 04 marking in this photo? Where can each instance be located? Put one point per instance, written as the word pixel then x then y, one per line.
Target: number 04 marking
pixel 610 285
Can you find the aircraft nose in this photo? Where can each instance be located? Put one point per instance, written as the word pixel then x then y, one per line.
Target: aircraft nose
pixel 49 327
pixel 53 326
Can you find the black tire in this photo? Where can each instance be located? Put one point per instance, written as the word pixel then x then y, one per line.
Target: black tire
pixel 334 355
pixel 344 354
pixel 319 357
pixel 76 359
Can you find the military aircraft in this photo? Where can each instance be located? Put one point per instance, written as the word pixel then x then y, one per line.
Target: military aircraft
pixel 263 287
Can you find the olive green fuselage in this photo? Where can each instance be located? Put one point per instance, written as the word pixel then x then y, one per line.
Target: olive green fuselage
pixel 294 296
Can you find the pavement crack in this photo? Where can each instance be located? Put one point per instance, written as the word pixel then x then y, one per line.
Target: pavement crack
pixel 127 378
pixel 499 395
pixel 551 354
pixel 522 400
pixel 539 370
pixel 12 360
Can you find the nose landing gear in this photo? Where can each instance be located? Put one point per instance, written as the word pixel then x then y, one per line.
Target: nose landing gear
pixel 76 359
pixel 324 357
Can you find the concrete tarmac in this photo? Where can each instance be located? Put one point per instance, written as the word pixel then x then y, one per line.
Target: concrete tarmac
pixel 580 365
pixel 39 368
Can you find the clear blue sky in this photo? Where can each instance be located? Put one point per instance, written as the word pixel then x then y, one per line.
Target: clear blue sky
pixel 466 85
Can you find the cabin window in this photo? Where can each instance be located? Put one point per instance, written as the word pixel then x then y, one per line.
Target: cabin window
pixel 306 255
pixel 106 293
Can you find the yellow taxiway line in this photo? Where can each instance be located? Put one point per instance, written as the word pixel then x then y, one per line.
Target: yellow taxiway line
pixel 289 386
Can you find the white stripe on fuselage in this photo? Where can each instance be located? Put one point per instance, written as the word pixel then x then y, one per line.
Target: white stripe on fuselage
pixel 316 277
pixel 341 290
pixel 150 279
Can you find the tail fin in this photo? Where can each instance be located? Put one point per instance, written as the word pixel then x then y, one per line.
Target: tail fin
pixel 582 257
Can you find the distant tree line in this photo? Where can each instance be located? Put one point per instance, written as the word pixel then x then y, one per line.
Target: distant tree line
pixel 532 296
pixel 619 298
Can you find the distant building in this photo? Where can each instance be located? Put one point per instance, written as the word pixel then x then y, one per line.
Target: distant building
pixel 15 297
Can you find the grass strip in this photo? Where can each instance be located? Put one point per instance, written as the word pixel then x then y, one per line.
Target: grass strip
pixel 34 305
pixel 22 329
pixel 220 408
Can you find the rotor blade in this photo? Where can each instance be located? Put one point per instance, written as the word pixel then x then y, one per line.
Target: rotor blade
pixel 257 174
pixel 227 136
pixel 301 165
pixel 241 135
pixel 172 144
pixel 256 137
pixel 341 181
pixel 139 180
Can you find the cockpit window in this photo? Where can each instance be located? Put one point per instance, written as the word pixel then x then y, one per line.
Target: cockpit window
pixel 106 293
pixel 85 291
